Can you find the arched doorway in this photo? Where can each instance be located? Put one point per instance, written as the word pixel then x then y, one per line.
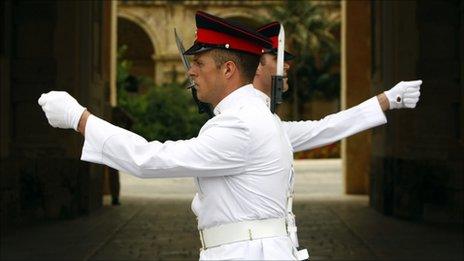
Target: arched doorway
pixel 139 50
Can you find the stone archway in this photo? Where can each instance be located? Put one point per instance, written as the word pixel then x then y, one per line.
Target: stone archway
pixel 141 42
pixel 142 22
pixel 139 48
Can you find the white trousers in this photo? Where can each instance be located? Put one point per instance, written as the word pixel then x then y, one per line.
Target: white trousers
pixel 274 248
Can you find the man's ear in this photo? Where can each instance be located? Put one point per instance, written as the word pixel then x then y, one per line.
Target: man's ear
pixel 229 69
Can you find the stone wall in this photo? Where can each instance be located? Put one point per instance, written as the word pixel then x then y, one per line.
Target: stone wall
pixel 44 188
pixel 417 166
pixel 49 45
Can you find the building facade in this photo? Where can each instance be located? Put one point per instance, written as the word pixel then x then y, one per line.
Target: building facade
pixel 147 28
pixel 411 168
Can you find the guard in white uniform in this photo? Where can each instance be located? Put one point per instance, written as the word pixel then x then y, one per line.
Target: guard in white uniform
pixel 240 159
pixel 304 135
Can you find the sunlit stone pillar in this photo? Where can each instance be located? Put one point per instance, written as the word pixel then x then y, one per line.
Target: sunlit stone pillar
pixel 356 87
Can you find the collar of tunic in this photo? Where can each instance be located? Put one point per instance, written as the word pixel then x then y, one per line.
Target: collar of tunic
pixel 233 98
pixel 264 97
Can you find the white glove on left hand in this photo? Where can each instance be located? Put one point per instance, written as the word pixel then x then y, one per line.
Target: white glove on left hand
pixel 404 94
pixel 61 109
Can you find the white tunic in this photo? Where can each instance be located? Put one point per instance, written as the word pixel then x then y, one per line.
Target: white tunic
pixel 241 160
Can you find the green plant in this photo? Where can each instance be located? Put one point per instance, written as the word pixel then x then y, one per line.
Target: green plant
pixel 164 112
pixel 167 112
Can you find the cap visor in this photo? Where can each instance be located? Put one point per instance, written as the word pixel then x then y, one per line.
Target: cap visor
pixel 197 48
pixel 288 56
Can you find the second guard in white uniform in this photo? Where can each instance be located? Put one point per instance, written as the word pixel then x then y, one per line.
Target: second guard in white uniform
pixel 304 135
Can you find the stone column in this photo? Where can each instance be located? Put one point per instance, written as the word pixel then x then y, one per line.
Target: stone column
pixel 113 52
pixel 356 87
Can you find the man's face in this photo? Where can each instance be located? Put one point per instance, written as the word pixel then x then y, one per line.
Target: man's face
pixel 207 77
pixel 266 69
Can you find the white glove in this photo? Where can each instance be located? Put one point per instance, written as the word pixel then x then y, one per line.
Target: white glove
pixel 61 109
pixel 404 94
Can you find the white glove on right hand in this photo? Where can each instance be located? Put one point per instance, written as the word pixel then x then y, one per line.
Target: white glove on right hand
pixel 404 94
pixel 61 109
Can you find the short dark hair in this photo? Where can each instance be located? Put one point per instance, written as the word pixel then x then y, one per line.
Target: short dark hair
pixel 246 63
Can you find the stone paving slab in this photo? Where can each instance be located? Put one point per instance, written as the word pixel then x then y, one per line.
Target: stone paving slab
pixel 65 239
pixel 159 229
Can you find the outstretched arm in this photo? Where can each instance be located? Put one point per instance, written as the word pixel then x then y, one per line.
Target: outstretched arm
pixel 305 135
pixel 220 149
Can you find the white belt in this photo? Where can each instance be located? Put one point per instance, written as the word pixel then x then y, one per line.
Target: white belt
pixel 242 231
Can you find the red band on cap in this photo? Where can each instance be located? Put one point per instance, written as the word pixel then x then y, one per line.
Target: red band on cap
pixel 217 38
pixel 275 41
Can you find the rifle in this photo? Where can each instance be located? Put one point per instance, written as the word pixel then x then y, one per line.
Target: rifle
pixel 202 107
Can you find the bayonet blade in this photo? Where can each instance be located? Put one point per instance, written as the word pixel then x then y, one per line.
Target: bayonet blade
pixel 185 61
pixel 202 107
pixel 278 79
pixel 280 52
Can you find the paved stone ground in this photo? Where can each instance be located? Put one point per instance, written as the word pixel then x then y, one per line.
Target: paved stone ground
pixel 149 226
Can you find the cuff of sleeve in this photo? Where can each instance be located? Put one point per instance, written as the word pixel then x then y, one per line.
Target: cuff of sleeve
pixel 97 132
pixel 373 112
